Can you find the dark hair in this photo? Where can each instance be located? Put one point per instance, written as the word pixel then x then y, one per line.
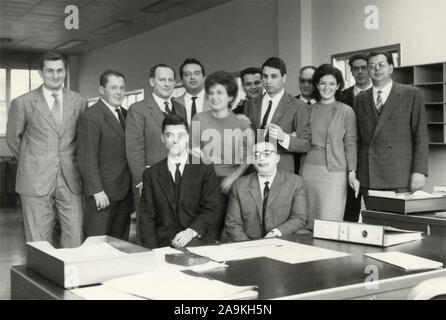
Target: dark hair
pixel 191 61
pixel 103 80
pixel 160 65
pixel 225 79
pixel 305 68
pixel 323 70
pixel 357 56
pixel 173 120
pixel 277 63
pixel 51 56
pixel 388 56
pixel 250 70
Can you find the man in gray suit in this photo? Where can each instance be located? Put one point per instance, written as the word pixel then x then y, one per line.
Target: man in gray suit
pixel 279 116
pixel 266 203
pixel 41 134
pixel 194 99
pixel 144 126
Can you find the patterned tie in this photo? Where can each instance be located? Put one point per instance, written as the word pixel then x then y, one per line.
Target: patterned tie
pixel 120 117
pixel 194 107
pixel 265 117
pixel 265 200
pixel 379 102
pixel 167 108
pixel 57 110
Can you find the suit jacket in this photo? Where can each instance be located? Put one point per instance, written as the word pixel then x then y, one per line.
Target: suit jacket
pixel 198 207
pixel 395 144
pixel 206 103
pixel 348 96
pixel 143 135
pixel 292 116
pixel 40 147
pixel 285 207
pixel 101 153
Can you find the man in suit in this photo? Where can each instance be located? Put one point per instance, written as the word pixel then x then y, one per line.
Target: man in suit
pixel 393 138
pixel 143 126
pixel 267 203
pixel 252 86
pixel 306 85
pixel 279 116
pixel 41 134
pixel 194 99
pixel 358 67
pixel 102 161
pixel 179 203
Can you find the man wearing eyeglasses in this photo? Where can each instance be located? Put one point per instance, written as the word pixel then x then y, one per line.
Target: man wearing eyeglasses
pixel 393 137
pixel 266 203
pixel 306 85
pixel 252 86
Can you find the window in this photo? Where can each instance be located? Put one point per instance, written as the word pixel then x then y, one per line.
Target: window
pixel 130 98
pixel 340 60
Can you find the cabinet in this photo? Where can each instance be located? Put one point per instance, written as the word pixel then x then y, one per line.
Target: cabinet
pixel 431 80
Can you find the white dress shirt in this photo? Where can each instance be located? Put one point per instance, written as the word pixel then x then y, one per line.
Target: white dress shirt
pixel 172 164
pixel 161 103
pixel 262 181
pixel 385 91
pixel 199 102
pixel 112 109
pixel 47 94
pixel 275 103
pixel 312 100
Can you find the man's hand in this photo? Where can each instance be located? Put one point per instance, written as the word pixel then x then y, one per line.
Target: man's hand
pixel 273 233
pixel 275 132
pixel 101 200
pixel 183 238
pixel 243 117
pixel 353 182
pixel 417 181
pixel 139 187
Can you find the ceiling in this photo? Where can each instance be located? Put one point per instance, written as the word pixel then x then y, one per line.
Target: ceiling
pixel 39 25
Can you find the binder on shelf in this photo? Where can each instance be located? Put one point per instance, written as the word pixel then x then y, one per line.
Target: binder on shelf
pixel 382 236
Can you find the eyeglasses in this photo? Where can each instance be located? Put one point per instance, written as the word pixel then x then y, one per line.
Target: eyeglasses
pixel 306 81
pixel 360 68
pixel 266 154
pixel 380 65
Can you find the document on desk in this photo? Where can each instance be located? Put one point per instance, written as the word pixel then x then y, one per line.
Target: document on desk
pixel 177 285
pixel 102 292
pixel 405 261
pixel 273 248
pixel 96 251
pixel 403 196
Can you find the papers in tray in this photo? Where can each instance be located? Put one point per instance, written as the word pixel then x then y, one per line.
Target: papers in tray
pixel 96 251
pixel 403 196
pixel 178 285
pixel 277 249
pixel 405 261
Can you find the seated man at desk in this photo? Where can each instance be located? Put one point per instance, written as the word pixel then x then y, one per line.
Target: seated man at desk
pixel 266 203
pixel 179 201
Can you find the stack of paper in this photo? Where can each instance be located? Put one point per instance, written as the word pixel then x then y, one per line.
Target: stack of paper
pixel 96 251
pixel 405 261
pixel 403 196
pixel 102 292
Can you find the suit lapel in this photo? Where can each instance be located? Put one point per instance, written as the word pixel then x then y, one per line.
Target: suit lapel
pixel 279 179
pixel 392 103
pixel 164 181
pixel 254 190
pixel 155 110
pixel 67 109
pixel 257 112
pixel 281 107
pixel 43 108
pixel 187 179
pixel 111 119
pixel 370 106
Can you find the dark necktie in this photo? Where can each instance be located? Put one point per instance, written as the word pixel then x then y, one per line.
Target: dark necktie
pixel 265 117
pixel 57 110
pixel 379 102
pixel 177 181
pixel 309 102
pixel 265 200
pixel 193 108
pixel 167 108
pixel 120 117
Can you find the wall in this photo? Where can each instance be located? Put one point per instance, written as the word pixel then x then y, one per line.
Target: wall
pixel 228 37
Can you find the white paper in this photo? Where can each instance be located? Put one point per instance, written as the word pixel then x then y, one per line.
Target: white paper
pixel 175 285
pixel 95 251
pixel 102 292
pixel 405 261
pixel 403 196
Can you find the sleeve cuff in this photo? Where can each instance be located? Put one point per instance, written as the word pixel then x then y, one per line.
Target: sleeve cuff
pixel 277 232
pixel 286 141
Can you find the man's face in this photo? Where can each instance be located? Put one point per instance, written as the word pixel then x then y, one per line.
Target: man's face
pixel 193 78
pixel 273 81
pixel 163 83
pixel 175 137
pixel 53 74
pixel 252 85
pixel 379 69
pixel 306 83
pixel 114 91
pixel 265 158
pixel 360 71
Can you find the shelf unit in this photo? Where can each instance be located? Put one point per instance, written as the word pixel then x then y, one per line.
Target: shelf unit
pixel 431 80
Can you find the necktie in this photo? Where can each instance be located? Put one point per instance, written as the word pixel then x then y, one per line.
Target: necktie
pixel 265 200
pixel 177 181
pixel 265 117
pixel 193 108
pixel 379 102
pixel 120 117
pixel 168 110
pixel 57 110
pixel 309 102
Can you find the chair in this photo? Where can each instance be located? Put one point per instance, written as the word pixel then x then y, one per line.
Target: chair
pixel 428 289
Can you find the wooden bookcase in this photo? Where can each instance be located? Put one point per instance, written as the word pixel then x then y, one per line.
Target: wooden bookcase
pixel 431 80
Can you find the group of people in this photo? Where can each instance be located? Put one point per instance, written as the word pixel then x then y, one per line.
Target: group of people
pixel 199 169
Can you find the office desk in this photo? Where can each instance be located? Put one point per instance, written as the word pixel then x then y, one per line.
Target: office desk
pixel 339 278
pixel 425 222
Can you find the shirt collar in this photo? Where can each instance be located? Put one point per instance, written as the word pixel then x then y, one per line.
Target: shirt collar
pixel 385 90
pixel 357 90
pixel 270 179
pixel 109 105
pixel 48 93
pixel 161 101
pixel 277 98
pixel 200 95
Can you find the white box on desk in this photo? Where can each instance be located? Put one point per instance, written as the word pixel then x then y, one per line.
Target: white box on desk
pixel 89 271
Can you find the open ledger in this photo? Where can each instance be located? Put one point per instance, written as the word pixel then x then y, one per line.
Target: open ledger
pixel 363 233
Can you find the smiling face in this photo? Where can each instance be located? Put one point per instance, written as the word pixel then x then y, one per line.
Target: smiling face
pixel 265 158
pixel 360 71
pixel 380 70
pixel 176 138
pixel 219 98
pixel 193 78
pixel 327 87
pixel 163 82
pixel 252 85
pixel 273 81
pixel 53 74
pixel 114 91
